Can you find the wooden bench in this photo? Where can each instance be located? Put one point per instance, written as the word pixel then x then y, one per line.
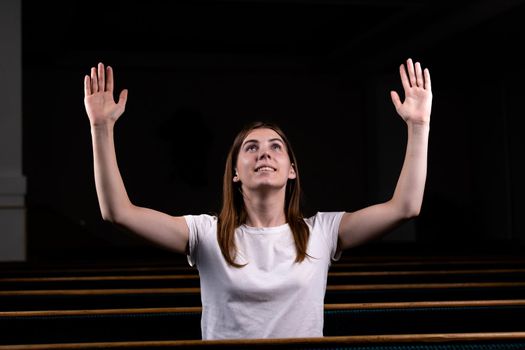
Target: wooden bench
pixel 180 266
pixel 19 300
pixel 192 280
pixel 59 326
pixel 432 341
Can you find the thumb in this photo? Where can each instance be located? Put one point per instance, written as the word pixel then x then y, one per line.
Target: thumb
pixel 395 99
pixel 123 97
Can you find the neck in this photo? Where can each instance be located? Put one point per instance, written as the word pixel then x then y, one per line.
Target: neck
pixel 265 210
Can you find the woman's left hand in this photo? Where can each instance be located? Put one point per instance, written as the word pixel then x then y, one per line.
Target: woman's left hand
pixel 418 94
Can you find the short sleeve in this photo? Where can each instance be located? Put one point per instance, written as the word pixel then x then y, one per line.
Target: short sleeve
pixel 327 223
pixel 193 240
pixel 199 226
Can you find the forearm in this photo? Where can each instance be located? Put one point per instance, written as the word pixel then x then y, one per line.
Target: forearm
pixel 112 196
pixel 408 195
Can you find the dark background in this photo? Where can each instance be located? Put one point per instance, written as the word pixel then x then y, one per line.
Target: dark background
pixel 199 70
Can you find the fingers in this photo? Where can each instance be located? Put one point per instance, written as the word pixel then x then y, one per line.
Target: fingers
pixel 109 79
pixel 419 75
pixel 94 80
pixel 123 97
pixel 87 85
pixel 395 99
pixel 101 78
pixel 416 76
pixel 428 86
pixel 404 77
pixel 411 73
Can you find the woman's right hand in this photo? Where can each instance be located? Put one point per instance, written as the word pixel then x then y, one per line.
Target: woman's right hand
pixel 98 97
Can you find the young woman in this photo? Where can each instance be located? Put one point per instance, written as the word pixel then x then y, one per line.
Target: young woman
pixel 262 265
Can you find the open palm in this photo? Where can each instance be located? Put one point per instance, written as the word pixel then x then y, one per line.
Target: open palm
pixel 418 94
pixel 98 97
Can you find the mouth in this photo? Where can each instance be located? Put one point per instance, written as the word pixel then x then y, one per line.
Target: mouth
pixel 264 168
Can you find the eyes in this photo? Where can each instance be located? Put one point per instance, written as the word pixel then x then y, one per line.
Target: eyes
pixel 253 147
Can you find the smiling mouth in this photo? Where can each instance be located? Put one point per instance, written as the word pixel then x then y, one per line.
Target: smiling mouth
pixel 264 169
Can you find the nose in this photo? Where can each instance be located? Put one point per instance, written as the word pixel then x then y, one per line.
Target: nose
pixel 264 154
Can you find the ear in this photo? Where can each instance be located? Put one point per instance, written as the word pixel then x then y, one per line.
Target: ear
pixel 236 177
pixel 292 174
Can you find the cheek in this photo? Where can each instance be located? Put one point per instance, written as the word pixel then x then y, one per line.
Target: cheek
pixel 243 162
pixel 283 158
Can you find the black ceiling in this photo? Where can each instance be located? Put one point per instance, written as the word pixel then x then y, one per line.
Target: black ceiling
pixel 320 33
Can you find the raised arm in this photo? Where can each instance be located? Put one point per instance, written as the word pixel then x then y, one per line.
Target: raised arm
pixel 115 206
pixel 372 222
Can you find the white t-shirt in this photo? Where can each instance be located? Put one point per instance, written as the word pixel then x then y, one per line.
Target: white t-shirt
pixel 272 296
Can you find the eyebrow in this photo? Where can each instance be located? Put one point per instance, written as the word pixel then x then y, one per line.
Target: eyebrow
pixel 257 141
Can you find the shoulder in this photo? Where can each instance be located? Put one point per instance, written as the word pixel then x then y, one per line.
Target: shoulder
pixel 326 225
pixel 325 219
pixel 202 222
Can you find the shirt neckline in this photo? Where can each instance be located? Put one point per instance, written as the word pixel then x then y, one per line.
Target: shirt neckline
pixel 264 230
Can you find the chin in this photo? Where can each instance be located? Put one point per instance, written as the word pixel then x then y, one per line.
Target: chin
pixel 267 185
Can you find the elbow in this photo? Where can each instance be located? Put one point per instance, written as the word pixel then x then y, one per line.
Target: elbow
pixel 407 210
pixel 411 212
pixel 117 215
pixel 110 216
pixel 114 213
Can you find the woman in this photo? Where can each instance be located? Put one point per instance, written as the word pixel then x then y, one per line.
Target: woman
pixel 263 267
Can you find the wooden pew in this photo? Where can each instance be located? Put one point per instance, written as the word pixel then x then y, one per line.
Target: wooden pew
pixel 192 280
pixel 60 326
pixel 20 300
pixel 465 284
pixel 432 341
pixel 178 267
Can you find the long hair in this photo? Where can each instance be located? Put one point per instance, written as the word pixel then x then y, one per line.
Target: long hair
pixel 233 212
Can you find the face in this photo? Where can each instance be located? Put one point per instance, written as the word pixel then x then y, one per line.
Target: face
pixel 263 161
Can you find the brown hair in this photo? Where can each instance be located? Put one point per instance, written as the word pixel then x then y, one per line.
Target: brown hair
pixel 233 212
